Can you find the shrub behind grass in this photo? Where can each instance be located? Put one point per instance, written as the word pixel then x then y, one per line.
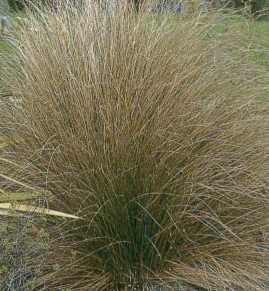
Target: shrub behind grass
pixel 152 134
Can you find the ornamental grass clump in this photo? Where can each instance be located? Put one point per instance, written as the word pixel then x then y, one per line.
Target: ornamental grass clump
pixel 154 135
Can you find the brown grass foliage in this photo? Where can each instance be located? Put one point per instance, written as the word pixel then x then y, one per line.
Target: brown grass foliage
pixel 152 133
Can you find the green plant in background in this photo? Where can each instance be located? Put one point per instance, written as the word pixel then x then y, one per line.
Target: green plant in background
pixel 151 133
pixel 256 8
pixel 16 5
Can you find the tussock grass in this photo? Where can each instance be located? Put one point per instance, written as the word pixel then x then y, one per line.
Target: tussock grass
pixel 152 134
